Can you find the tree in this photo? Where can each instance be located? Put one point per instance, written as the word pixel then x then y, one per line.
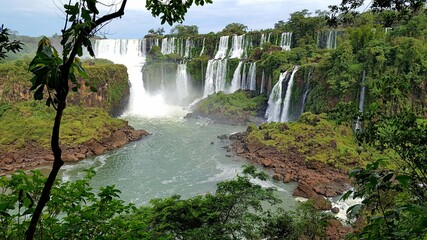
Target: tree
pixel 303 27
pixel 347 10
pixel 184 30
pixel 234 28
pixel 280 25
pixel 54 73
pixel 6 45
pixel 159 31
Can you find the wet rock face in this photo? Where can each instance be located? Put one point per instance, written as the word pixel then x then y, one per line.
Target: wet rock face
pixel 33 155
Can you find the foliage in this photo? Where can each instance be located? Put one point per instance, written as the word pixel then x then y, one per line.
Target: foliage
pixel 74 211
pixel 315 138
pixel 159 31
pixel 346 12
pixel 197 68
pixel 110 80
pixel 393 186
pixel 237 106
pixel 172 11
pixel 184 30
pixel 234 28
pixel 29 122
pixel 6 45
pixel 238 209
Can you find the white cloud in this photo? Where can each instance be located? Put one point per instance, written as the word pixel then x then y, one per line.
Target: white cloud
pixel 37 17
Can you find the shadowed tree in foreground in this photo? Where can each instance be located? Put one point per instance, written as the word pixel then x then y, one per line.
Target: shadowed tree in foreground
pixel 6 45
pixel 53 72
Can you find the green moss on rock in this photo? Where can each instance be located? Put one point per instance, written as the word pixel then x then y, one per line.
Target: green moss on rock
pixel 236 108
pixel 32 122
pixel 314 137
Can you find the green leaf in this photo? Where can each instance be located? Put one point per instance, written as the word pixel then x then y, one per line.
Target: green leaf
pixel 91 5
pixel 346 195
pixel 38 95
pixel 404 180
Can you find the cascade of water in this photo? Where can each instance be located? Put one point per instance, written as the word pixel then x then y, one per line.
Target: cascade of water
pixel 188 44
pixel 236 81
pixel 164 46
pixel 127 52
pixel 237 46
pixel 286 102
pixel 286 41
pixel 177 47
pixel 275 100
pixel 244 83
pixel 331 42
pixel 263 40
pixel 252 76
pixel 203 47
pixel 222 47
pixel 215 77
pixel 361 101
pixel 168 45
pixel 262 83
pixel 306 90
pixel 183 47
pixel 362 93
pixel 143 47
pixel 269 37
pixel 182 81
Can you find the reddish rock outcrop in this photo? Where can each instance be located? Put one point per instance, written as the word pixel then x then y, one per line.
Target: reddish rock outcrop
pixel 33 155
pixel 315 179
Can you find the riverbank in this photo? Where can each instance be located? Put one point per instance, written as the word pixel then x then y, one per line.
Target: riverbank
pixel 315 180
pixel 314 152
pixel 35 155
pixel 26 131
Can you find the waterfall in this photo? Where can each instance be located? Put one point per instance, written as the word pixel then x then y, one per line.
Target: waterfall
pixel 236 81
pixel 244 83
pixel 275 100
pixel 168 45
pixel 361 102
pixel 188 44
pixel 286 41
pixel 182 81
pixel 331 42
pixel 286 102
pixel 252 76
pixel 203 47
pixel 215 76
pixel 362 93
pixel 216 71
pixel 306 90
pixel 262 82
pixel 269 37
pixel 131 54
pixel 237 46
pixel 263 40
pixel 128 53
pixel 222 47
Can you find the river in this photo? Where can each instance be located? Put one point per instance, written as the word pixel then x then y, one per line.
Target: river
pixel 182 156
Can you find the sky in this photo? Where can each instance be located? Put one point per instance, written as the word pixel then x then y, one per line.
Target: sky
pixel 46 17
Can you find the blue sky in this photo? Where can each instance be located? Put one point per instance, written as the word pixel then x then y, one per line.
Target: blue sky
pixel 45 17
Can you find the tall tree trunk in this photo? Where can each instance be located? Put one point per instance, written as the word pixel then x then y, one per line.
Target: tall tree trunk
pixel 45 196
pixel 62 92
